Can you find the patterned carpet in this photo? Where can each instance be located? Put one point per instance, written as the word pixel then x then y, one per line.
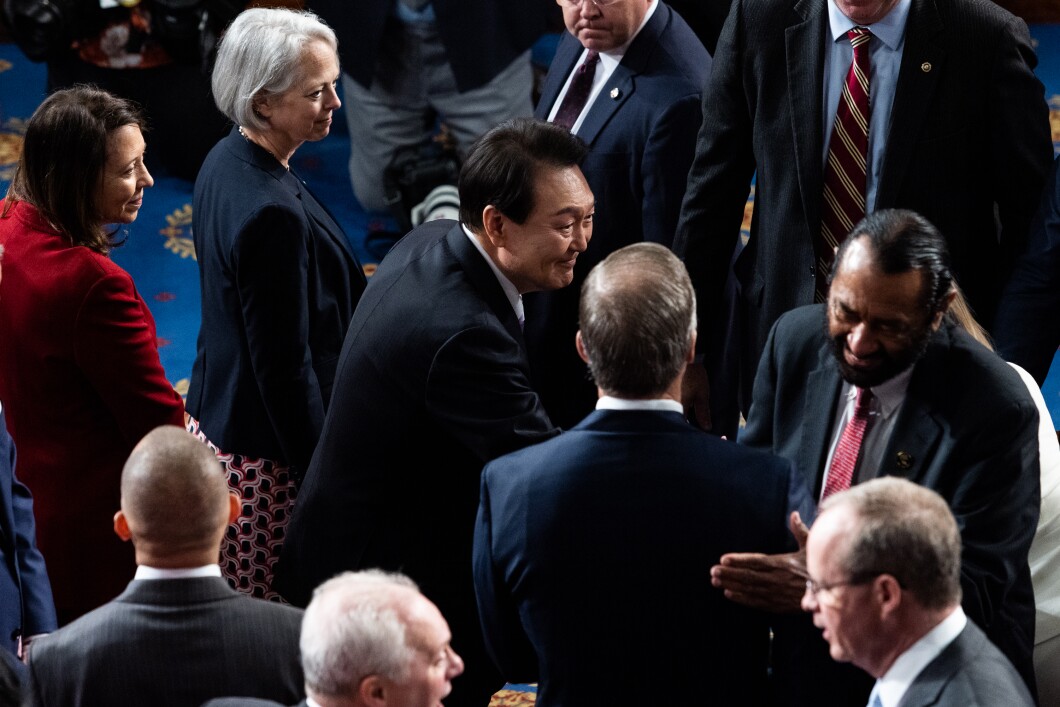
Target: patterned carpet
pixel 160 256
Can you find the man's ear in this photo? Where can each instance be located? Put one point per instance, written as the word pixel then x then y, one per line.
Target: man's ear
pixel 235 506
pixel 888 594
pixel 580 345
pixel 946 302
pixel 493 225
pixel 372 691
pixel 121 526
pixel 691 355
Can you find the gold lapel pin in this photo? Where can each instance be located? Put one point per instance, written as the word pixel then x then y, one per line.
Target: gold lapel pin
pixel 925 67
pixel 615 93
pixel 904 460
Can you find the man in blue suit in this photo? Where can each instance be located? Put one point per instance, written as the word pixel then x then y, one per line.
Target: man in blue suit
pixel 640 119
pixel 26 606
pixel 632 486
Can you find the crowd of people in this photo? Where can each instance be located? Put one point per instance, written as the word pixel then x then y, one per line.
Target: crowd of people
pixel 583 435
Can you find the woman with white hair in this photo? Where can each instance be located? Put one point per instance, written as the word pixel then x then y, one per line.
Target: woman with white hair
pixel 279 280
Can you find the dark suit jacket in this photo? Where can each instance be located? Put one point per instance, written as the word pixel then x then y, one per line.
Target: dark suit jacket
pixel 969 134
pixel 81 384
pixel 26 606
pixel 171 642
pixel 1028 320
pixel 641 131
pixel 481 37
pixel 433 383
pixel 639 490
pixel 970 672
pixel 967 429
pixel 279 284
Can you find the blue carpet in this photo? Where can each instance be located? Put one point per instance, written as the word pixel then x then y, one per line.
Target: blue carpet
pixel 158 252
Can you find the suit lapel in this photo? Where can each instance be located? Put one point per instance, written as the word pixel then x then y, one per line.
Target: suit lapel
pixel 928 685
pixel 320 215
pixel 567 54
pixel 823 385
pixel 484 280
pixel 912 99
pixel 916 431
pixel 804 50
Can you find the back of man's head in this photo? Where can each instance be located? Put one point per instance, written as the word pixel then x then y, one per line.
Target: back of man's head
pixel 502 166
pixel 175 502
pixel 637 320
pixel 906 531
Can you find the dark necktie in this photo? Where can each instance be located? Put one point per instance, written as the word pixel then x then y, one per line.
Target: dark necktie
pixel 845 459
pixel 578 92
pixel 843 203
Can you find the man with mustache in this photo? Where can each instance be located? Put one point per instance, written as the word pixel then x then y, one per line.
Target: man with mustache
pixel 873 383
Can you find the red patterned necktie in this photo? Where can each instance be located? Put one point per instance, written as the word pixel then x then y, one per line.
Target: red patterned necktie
pixel 578 92
pixel 843 204
pixel 845 458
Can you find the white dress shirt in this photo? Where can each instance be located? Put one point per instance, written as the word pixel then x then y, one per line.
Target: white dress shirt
pixel 510 290
pixel 145 572
pixel 606 402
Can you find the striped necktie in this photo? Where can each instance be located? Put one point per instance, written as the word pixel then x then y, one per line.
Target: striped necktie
pixel 848 449
pixel 843 204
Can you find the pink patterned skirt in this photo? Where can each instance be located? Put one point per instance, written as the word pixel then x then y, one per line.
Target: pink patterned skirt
pixel 252 542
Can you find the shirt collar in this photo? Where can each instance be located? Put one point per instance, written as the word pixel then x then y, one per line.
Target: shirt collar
pixel 905 669
pixel 614 56
pixel 890 30
pixel 510 290
pixel 889 395
pixel 145 572
pixel 607 402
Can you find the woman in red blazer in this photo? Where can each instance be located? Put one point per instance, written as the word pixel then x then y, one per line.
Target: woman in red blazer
pixel 79 371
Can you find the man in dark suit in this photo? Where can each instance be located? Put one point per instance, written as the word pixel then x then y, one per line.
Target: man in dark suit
pixel 407 62
pixel 633 485
pixel 932 405
pixel 639 118
pixel 26 607
pixel 179 634
pixel 371 639
pixel 958 131
pixel 884 569
pixel 433 383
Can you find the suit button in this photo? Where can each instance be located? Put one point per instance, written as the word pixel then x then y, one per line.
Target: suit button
pixel 813 270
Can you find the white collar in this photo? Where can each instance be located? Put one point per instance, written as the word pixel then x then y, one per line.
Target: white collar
pixel 510 290
pixel 890 394
pixel 890 30
pixel 145 572
pixel 905 669
pixel 606 402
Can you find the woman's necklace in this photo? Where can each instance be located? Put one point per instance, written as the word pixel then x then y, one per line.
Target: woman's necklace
pixel 249 139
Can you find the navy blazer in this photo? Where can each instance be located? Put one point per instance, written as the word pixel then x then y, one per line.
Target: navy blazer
pixel 279 284
pixel 968 429
pixel 26 607
pixel 171 642
pixel 969 672
pixel 968 148
pixel 433 383
pixel 641 132
pixel 481 37
pixel 592 562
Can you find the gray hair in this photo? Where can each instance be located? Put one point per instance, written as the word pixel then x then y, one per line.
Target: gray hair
pixel 261 54
pixel 354 628
pixel 637 317
pixel 906 531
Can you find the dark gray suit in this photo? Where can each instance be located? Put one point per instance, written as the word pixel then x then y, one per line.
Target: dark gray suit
pixel 967 429
pixel 170 642
pixel 970 672
pixel 969 148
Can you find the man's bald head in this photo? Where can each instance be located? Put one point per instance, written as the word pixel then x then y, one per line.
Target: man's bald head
pixel 175 501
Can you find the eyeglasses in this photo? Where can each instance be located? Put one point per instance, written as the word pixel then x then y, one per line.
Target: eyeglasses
pixel 814 587
pixel 578 3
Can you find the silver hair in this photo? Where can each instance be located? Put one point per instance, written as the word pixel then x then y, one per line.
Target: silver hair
pixel 260 55
pixel 353 628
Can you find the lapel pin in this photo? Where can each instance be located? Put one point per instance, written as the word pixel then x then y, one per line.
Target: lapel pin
pixel 615 93
pixel 925 67
pixel 903 460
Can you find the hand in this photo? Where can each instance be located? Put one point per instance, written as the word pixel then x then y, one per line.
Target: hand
pixel 695 395
pixel 770 582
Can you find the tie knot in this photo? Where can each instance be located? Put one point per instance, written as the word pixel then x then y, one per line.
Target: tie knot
pixel 591 58
pixel 863 401
pixel 858 36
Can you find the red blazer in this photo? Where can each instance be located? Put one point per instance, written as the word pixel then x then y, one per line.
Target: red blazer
pixel 81 384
